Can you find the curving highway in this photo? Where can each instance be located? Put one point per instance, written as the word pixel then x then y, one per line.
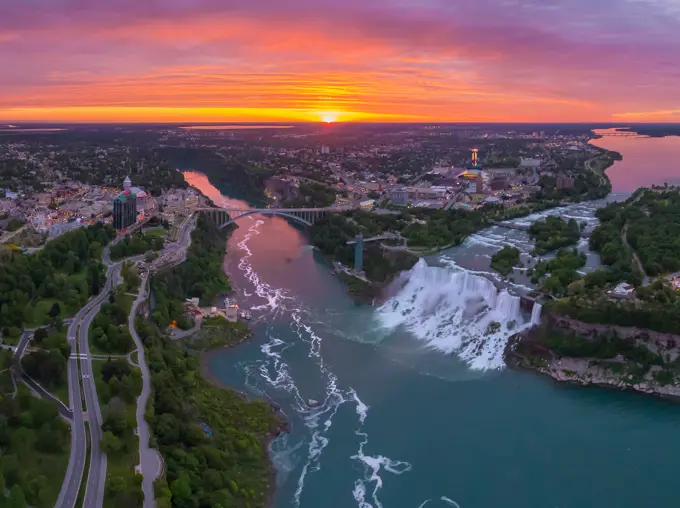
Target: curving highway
pixel 77 333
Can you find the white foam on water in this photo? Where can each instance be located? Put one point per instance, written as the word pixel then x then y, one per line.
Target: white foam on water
pixel 443 498
pixel 276 373
pixel 372 464
pixel 450 501
pixel 452 311
pixel 262 289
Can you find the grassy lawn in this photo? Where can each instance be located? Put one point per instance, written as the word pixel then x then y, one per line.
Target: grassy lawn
pixel 158 232
pixel 42 308
pixel 13 339
pixel 61 392
pixel 78 276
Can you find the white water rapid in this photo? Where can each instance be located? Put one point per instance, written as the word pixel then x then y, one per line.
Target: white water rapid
pixel 455 312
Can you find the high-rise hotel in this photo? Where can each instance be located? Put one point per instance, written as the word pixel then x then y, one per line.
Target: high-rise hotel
pixel 125 207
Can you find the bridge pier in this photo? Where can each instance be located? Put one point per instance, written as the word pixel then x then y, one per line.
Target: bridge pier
pixel 359 254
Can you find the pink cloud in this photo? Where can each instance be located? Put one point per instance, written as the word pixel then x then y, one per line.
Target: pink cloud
pixel 568 59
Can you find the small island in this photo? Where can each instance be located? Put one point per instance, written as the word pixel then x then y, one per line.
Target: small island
pixel 554 233
pixel 505 260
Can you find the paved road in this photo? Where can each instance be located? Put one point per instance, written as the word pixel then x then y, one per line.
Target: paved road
pixel 149 458
pixel 19 373
pixel 96 478
pixel 77 331
pixel 76 462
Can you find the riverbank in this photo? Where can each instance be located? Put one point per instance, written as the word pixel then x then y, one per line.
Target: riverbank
pixel 227 434
pixel 570 351
pixel 217 349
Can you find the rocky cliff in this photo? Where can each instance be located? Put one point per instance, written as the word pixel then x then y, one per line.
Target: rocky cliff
pixel 572 351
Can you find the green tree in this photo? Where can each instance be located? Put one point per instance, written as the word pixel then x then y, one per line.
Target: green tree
pixel 16 498
pixel 110 443
pixel 181 490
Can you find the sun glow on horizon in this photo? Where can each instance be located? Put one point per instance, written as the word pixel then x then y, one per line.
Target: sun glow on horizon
pixel 329 117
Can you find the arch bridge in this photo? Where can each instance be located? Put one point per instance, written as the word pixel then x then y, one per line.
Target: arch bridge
pixel 307 216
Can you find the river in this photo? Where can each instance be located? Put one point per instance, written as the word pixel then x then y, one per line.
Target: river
pixel 415 409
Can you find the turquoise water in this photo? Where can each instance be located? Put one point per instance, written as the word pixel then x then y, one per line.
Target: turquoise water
pixel 402 421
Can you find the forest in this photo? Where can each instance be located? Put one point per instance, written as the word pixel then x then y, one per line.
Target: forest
pixel 553 233
pixel 109 330
pixel 559 275
pixel 34 441
pixel 312 195
pixel 65 273
pixel 649 221
pixel 653 230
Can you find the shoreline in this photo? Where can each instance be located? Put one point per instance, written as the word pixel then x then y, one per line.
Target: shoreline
pixel 528 351
pixel 283 426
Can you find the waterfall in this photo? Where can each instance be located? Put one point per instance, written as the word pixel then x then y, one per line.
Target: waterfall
pixel 536 314
pixel 455 312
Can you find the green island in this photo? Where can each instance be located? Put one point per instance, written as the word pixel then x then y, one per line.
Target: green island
pixel 559 275
pixel 619 325
pixel 213 439
pixel 553 233
pixel 505 260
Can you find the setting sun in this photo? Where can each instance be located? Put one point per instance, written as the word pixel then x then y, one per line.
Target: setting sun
pixel 329 117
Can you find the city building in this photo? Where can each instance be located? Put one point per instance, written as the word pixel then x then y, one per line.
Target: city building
pixel 564 182
pixel 174 203
pixel 479 184
pixel 124 209
pixel 498 183
pixel 530 163
pixel 325 149
pixel 399 197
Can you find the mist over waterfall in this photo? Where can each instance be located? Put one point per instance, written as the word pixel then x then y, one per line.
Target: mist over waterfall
pixel 455 312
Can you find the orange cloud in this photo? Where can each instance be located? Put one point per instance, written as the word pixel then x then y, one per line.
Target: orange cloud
pixel 235 60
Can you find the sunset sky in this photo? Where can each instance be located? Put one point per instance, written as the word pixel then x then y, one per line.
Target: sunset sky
pixel 357 60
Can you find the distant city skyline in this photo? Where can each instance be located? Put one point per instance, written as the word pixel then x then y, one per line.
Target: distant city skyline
pixel 351 60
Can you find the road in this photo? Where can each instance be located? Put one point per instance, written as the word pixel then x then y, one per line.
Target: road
pixel 96 478
pixel 600 175
pixel 18 372
pixel 8 236
pixel 77 332
pixel 149 458
pixel 81 365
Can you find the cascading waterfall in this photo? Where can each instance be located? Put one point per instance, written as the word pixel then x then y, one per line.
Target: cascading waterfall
pixel 536 314
pixel 455 312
